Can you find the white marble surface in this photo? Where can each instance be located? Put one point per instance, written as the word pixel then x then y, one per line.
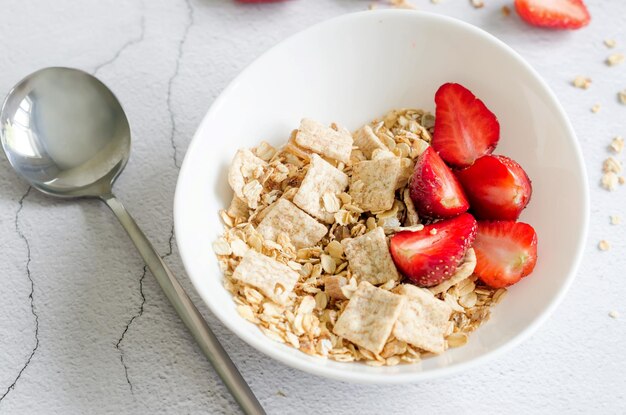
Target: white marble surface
pixel 83 329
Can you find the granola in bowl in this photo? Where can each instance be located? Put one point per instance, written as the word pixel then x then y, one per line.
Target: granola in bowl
pixel 326 237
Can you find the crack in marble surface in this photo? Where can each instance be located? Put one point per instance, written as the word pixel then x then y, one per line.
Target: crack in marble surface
pixel 170 83
pixel 128 44
pixel 181 43
pixel 118 345
pixel 21 234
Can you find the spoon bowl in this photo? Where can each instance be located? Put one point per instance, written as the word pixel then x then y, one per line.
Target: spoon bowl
pixel 65 132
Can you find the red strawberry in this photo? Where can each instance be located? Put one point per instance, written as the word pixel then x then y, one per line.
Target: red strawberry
pixel 506 251
pixel 497 188
pixel 465 129
pixel 434 189
pixel 555 14
pixel 430 256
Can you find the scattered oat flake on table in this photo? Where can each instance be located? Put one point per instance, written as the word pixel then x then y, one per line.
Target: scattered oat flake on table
pixel 615 59
pixel 617 145
pixel 611 164
pixel 596 108
pixel 622 96
pixel 604 245
pixel 613 314
pixel 615 220
pixel 610 43
pixel 609 181
pixel 621 180
pixel 402 4
pixel 506 11
pixel 477 3
pixel 582 82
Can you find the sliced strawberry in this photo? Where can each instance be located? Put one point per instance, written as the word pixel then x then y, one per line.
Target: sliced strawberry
pixel 465 129
pixel 497 188
pixel 506 251
pixel 434 189
pixel 432 255
pixel 555 14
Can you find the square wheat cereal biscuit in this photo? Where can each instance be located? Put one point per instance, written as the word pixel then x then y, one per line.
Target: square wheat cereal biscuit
pixel 369 258
pixel 423 320
pixel 321 178
pixel 284 216
pixel 269 276
pixel 245 166
pixel 369 317
pixel 373 183
pixel 324 140
pixel 367 141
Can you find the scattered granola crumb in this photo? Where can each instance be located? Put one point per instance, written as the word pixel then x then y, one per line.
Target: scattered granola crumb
pixel 613 314
pixel 582 82
pixel 506 11
pixel 280 393
pixel 615 220
pixel 610 181
pixel 433 231
pixel 595 109
pixel 604 245
pixel 621 179
pixel 611 164
pixel 402 4
pixel 610 43
pixel 615 59
pixel 435 1
pixel 622 96
pixel 617 145
pixel 477 4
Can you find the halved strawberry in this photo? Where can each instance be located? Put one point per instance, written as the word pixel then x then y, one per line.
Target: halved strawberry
pixel 555 14
pixel 506 251
pixel 465 129
pixel 497 188
pixel 432 255
pixel 434 189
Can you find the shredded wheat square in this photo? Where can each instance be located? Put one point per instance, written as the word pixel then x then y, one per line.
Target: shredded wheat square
pixel 321 179
pixel 423 320
pixel 369 258
pixel 367 141
pixel 374 182
pixel 284 216
pixel 324 140
pixel 369 317
pixel 272 278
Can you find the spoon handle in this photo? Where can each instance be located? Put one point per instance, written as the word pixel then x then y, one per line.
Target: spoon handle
pixel 190 315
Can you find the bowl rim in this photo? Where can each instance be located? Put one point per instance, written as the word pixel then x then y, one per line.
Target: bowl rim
pixel 267 347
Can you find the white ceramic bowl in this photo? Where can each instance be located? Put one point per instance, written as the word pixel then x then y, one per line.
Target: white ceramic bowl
pixel 354 68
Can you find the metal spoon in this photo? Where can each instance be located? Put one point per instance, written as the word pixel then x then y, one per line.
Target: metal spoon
pixel 66 133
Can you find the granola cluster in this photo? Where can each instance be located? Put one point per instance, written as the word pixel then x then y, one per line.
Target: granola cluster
pixel 305 246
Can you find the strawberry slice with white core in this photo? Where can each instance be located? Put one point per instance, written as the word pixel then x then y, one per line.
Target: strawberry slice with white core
pixel 554 14
pixel 465 129
pixel 506 252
